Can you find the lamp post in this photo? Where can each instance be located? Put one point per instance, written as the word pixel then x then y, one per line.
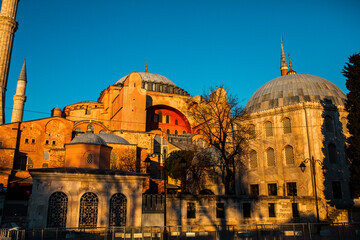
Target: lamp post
pixel 312 162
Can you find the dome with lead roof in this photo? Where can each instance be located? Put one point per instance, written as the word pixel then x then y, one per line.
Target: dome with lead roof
pixel 88 138
pixel 149 77
pixel 112 138
pixel 292 89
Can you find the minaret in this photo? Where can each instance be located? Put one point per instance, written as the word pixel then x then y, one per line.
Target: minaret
pixel 283 64
pixel 8 26
pixel 19 97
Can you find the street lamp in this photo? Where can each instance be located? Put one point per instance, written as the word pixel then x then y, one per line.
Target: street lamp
pixel 147 163
pixel 302 166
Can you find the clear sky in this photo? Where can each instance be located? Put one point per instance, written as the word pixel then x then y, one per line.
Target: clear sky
pixel 77 48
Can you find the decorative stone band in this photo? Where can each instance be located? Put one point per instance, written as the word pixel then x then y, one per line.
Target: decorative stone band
pixel 8 24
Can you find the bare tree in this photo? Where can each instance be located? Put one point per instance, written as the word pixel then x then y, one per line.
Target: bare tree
pixel 217 115
pixel 127 161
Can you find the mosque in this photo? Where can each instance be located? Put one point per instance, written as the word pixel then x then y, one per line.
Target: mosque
pixel 93 152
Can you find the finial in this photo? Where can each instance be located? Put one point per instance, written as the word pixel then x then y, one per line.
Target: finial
pixel 146 67
pixel 291 71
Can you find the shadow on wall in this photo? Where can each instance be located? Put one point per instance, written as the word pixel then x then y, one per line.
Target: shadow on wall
pixel 336 172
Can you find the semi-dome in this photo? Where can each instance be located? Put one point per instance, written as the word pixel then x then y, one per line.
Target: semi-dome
pixel 112 138
pixel 88 138
pixel 292 89
pixel 150 77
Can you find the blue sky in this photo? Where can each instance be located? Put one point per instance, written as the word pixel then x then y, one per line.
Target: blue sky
pixel 77 48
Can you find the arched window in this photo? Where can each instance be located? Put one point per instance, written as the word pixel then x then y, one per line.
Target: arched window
pixel 270 157
pixel 252 131
pixel 329 124
pixel 88 210
pixel 289 155
pixel 57 210
pixel 168 131
pixel 167 119
pixel 117 216
pixel 344 125
pixel 160 116
pixel 184 131
pixel 176 122
pixel 176 132
pixel 253 159
pixel 287 125
pixel 332 153
pixel 268 129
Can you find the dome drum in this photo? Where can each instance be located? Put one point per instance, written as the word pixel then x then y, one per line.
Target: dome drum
pixel 156 83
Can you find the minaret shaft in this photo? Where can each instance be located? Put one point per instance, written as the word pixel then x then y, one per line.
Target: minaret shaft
pixel 8 26
pixel 283 64
pixel 19 97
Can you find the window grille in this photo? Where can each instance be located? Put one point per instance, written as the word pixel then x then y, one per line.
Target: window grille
pixel 329 125
pixel 88 210
pixel 253 159
pixel 332 153
pixel 287 125
pixel 190 210
pixel 117 216
pixel 291 189
pixel 57 210
pixel 89 158
pixel 268 129
pixel 272 189
pixel 270 155
pixel 289 155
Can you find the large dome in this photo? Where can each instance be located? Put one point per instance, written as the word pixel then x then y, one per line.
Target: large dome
pixel 292 89
pixel 150 77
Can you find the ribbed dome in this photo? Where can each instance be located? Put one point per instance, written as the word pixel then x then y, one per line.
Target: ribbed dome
pixel 150 77
pixel 112 138
pixel 88 138
pixel 293 89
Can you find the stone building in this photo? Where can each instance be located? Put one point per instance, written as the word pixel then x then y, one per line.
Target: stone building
pixel 85 193
pixel 291 120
